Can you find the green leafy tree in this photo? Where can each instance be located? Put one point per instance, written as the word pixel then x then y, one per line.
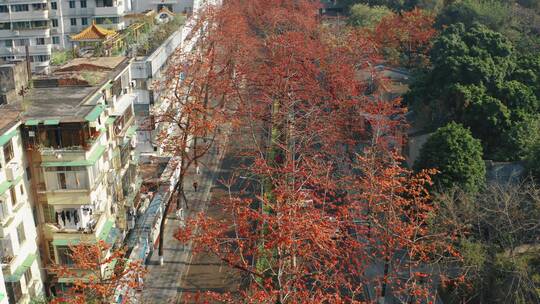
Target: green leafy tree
pixel 457 155
pixel 533 161
pixel 362 15
pixel 460 57
pixel 491 13
pixel 517 96
pixel 486 117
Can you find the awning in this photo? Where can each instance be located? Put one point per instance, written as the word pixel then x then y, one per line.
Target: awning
pixel 131 131
pixel 5 186
pixel 27 263
pixel 51 122
pixel 94 114
pixel 4 139
pixel 107 233
pixel 110 120
pixel 32 122
pixel 106 230
pixel 76 163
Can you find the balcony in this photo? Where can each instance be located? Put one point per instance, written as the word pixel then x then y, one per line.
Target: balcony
pixel 14 170
pixel 109 11
pixel 30 15
pixel 103 230
pixel 75 220
pixel 7 255
pixel 29 32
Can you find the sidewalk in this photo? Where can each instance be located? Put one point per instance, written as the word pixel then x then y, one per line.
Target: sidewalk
pixel 162 283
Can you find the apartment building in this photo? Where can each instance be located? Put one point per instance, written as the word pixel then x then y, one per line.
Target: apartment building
pixel 69 17
pixel 25 24
pixel 175 6
pixel 79 137
pixel 19 255
pixel 3 293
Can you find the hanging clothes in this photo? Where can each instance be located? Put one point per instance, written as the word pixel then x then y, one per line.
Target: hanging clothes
pixel 75 217
pixel 68 216
pixel 63 216
pixel 57 217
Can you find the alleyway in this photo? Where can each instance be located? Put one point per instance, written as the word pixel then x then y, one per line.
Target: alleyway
pixel 162 283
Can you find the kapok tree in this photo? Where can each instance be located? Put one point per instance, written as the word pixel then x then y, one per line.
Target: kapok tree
pixel 406 38
pixel 192 111
pixel 311 236
pixel 98 274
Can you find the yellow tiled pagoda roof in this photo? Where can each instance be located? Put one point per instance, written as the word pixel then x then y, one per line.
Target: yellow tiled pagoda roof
pixel 93 32
pixel 165 10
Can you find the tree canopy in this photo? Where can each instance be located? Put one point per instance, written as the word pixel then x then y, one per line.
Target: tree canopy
pixel 456 155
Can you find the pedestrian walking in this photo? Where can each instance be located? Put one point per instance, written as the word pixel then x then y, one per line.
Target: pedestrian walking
pixel 195 186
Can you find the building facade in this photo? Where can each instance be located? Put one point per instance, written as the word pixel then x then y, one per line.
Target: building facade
pixel 19 254
pixel 79 137
pixel 25 24
pixel 69 17
pixel 175 6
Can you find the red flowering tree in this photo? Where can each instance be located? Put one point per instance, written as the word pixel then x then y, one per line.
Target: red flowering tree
pixel 406 38
pixel 338 220
pixel 98 273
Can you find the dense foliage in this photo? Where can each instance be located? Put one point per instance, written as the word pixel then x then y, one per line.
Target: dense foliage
pixel 476 79
pixel 456 155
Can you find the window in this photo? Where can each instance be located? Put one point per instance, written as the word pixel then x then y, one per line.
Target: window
pixel 21 25
pixel 64 256
pixel 54 22
pixel 73 21
pixel 5 26
pixel 28 173
pixel 39 6
pixel 83 3
pixel 8 43
pixel 42 24
pixel 71 4
pixel 50 251
pixel 4 9
pixel 13 194
pixel 28 275
pixel 20 42
pixel 56 40
pixel 20 234
pixel 54 6
pixel 107 20
pixel 21 189
pixel 40 41
pixel 14 291
pixel 60 178
pixel 8 151
pixel 40 58
pixel 84 21
pixel 19 8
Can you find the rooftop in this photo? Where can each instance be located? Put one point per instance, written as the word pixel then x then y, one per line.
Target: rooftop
pixel 93 33
pixel 68 93
pixel 63 103
pixel 10 116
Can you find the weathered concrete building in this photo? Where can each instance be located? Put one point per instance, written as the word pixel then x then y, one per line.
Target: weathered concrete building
pixel 79 137
pixel 19 255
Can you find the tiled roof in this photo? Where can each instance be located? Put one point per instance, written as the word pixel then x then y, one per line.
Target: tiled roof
pixel 93 32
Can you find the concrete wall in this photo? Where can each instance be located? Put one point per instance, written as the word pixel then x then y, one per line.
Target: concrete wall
pixel 12 78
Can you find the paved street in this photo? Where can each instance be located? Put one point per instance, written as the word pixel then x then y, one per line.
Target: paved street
pixel 163 283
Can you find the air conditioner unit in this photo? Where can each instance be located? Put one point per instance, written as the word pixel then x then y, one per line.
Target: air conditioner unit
pixel 13 171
